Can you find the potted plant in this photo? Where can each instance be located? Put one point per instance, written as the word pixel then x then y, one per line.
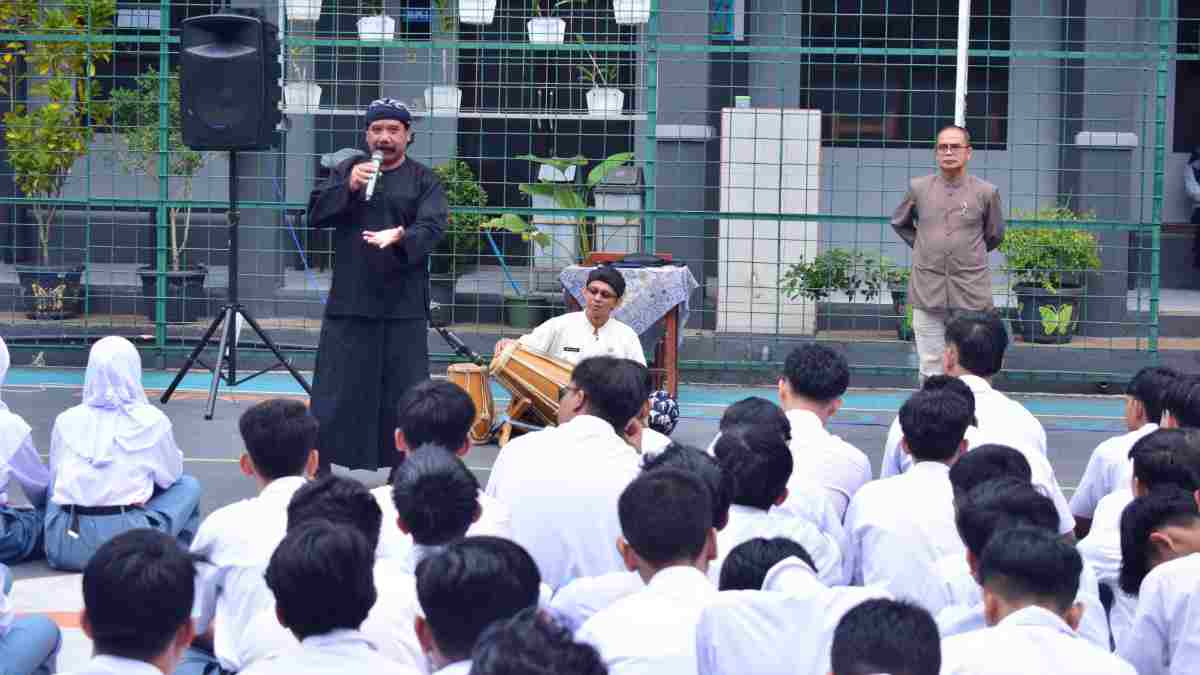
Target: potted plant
pixel 603 99
pixel 523 308
pixel 459 249
pixel 631 12
pixel 136 121
pixel 477 12
pixel 544 29
pixel 375 25
pixel 574 195
pixel 1048 266
pixel 301 95
pixel 444 99
pixel 896 279
pixel 303 10
pixel 46 141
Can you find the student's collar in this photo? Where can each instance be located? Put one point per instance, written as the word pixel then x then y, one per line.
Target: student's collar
pixel 119 664
pixel 1034 615
pixel 976 383
pixel 338 636
pixel 680 578
pixel 931 466
pixel 283 485
pixel 587 425
pixel 790 575
pixel 804 422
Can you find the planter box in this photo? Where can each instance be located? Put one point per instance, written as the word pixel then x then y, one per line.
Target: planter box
pixel 186 299
pixel 546 31
pixel 443 100
pixel 476 12
pixel 303 10
pixel 376 28
pixel 605 101
pixel 526 313
pixel 631 12
pixel 302 98
pixel 51 291
pixel 1029 320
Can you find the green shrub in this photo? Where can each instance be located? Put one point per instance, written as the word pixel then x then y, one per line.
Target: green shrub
pixel 1050 257
pixel 462 240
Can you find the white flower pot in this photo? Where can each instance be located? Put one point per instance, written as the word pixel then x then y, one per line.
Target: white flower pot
pixel 628 12
pixel 605 101
pixel 476 12
pixel 443 100
pixel 546 31
pixel 303 10
pixel 379 27
pixel 302 98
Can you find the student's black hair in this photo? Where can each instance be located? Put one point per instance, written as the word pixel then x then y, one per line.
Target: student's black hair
pixel 471 584
pixel 988 462
pixel 435 412
pixel 1001 504
pixel 278 434
pixel 138 590
pixel 1168 458
pixel 757 411
pixel 613 388
pixel 934 423
pixel 1031 564
pixel 339 500
pixel 533 643
pixel 1182 400
pixel 886 636
pixel 721 484
pixel 980 339
pixel 1142 518
pixel 435 495
pixel 759 461
pixel 953 384
pixel 747 564
pixel 666 516
pixel 323 579
pixel 1149 387
pixel 816 372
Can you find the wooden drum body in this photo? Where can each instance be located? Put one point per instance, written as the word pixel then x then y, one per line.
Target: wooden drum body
pixel 536 381
pixel 473 379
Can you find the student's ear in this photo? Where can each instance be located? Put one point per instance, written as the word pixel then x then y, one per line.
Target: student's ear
pixel 782 497
pixel 185 635
pixel 992 606
pixel 628 556
pixel 462 450
pixel 246 464
pixel 1168 420
pixel 834 406
pixel 1137 411
pixel 424 634
pixel 973 565
pixel 710 545
pixel 784 391
pixel 313 463
pixel 904 446
pixel 85 623
pixel 962 449
pixel 478 512
pixel 401 443
pixel 949 358
pixel 400 524
pixel 1073 616
pixel 279 617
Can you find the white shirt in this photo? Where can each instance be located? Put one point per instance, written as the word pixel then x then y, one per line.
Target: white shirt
pixel 561 485
pixel 653 442
pixel 333 653
pixel 829 461
pixel 494 520
pixel 1030 640
pixel 456 668
pixel 652 632
pixel 746 523
pixel 1165 637
pixel 784 629
pixel 579 600
pixel 1101 550
pixel 103 664
pixel 811 502
pixel 572 338
pixel 23 464
pixel 1109 469
pixel 899 528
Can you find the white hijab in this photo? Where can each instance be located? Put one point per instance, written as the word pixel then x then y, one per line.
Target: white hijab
pixel 115 412
pixel 13 429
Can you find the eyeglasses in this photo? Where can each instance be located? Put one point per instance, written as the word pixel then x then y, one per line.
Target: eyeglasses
pixel 954 148
pixel 605 294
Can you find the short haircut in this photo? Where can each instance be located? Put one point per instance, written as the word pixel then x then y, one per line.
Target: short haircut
pixel 609 275
pixel 138 590
pixel 613 387
pixel 435 495
pixel 435 412
pixel 954 127
pixel 278 433
pixel 759 461
pixel 886 636
pixel 953 384
pixel 472 583
pixel 1182 400
pixel 988 462
pixel 1033 565
pixel 533 643
pixel 759 412
pixel 1001 504
pixel 1168 458
pixel 322 555
pixel 816 372
pixel 341 501
pixel 934 423
pixel 746 566
pixel 1149 387
pixel 666 516
pixel 980 340
pixel 721 484
pixel 1142 518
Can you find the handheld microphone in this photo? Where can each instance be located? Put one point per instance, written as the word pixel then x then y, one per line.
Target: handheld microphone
pixel 376 160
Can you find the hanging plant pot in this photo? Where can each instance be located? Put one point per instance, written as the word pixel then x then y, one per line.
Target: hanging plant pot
pixel 476 12
pixel 631 12
pixel 303 10
pixel 302 98
pixel 51 291
pixel 376 28
pixel 186 299
pixel 546 30
pixel 605 101
pixel 443 100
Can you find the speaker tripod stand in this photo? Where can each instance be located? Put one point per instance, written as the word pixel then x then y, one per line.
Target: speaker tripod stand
pixel 226 319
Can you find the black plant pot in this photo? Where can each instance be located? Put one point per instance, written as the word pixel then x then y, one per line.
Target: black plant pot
pixel 1029 321
pixel 51 291
pixel 904 329
pixel 186 299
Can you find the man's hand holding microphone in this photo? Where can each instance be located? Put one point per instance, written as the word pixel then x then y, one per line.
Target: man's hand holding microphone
pixel 363 177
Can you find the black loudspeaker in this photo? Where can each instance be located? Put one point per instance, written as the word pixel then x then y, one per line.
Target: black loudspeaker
pixel 229 82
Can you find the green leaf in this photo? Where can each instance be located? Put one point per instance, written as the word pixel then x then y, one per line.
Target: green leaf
pixel 1050 320
pixel 607 166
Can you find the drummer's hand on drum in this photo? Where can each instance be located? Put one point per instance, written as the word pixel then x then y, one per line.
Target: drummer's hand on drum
pixel 501 345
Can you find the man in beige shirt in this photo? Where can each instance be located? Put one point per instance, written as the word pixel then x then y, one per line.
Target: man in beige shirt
pixel 951 220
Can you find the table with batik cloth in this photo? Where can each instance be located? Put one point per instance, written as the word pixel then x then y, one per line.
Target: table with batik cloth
pixel 651 294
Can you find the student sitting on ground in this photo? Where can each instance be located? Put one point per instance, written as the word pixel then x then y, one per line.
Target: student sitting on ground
pixel 747 565
pixel 886 636
pixel 29 644
pixel 532 642
pixel 21 529
pixel 115 464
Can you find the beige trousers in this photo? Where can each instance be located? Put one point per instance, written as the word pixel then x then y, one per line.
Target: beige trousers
pixel 929 327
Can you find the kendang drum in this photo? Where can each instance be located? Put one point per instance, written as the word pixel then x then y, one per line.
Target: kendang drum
pixel 473 379
pixel 535 380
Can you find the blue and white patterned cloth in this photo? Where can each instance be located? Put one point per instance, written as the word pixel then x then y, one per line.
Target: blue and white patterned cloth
pixel 650 292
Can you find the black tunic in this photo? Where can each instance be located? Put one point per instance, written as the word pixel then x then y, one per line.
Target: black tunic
pixel 373 337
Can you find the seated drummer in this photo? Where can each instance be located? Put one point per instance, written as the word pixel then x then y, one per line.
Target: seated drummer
pixel 591 331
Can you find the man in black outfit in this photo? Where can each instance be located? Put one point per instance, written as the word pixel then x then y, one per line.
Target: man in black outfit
pixel 373 337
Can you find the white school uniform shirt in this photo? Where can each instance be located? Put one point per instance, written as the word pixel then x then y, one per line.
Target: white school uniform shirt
pixel 572 338
pixel 579 600
pixel 653 442
pixel 18 456
pixel 899 528
pixel 1109 469
pixel 746 523
pixel 456 668
pixel 104 664
pixel 1165 637
pixel 811 502
pixel 965 611
pixel 784 629
pixel 494 520
pixel 652 632
pixel 333 653
pixel 561 486
pixel 1030 640
pixel 1101 550
pixel 817 455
